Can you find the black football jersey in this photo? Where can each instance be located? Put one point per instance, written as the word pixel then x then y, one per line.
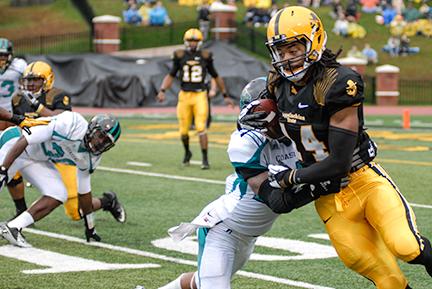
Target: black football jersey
pixel 306 111
pixel 192 68
pixel 53 99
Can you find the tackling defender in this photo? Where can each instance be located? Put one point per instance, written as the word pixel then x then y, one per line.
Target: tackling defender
pixel 192 64
pixel 67 138
pixel 229 226
pixel 369 222
pixel 38 97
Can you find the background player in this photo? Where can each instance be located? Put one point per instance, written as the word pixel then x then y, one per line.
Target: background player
pixel 38 97
pixel 69 138
pixel 11 70
pixel 192 64
pixel 369 222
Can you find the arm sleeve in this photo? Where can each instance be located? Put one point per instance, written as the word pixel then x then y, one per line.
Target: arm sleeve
pixel 176 65
pixel 39 133
pixel 210 67
pixel 337 165
pixel 84 183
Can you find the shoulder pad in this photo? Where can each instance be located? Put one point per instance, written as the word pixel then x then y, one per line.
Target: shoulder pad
pixel 179 53
pixel 244 145
pixel 19 64
pixel 16 99
pixel 51 95
pixel 344 88
pixel 206 54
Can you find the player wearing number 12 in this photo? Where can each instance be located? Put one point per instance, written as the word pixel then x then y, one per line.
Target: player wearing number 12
pixel 192 65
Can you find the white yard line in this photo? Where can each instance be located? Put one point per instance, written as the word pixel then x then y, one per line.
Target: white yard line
pixel 192 179
pixel 172 259
pixel 139 164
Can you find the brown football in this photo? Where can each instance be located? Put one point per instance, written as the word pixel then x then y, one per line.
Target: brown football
pixel 269 106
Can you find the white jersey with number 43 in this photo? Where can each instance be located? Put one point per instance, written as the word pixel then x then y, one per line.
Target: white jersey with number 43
pixel 61 141
pixel 9 82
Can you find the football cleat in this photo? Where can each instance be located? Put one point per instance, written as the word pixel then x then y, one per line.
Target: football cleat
pixel 14 236
pixel 205 165
pixel 115 207
pixel 187 158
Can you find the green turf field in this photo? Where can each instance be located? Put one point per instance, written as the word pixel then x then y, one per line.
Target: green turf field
pixel 155 201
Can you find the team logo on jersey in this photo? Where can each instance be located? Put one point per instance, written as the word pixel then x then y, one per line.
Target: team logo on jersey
pixel 66 100
pixel 351 88
pixel 293 117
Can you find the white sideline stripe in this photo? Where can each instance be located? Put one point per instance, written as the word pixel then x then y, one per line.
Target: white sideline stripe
pixel 174 177
pixel 421 206
pixel 171 259
pixel 139 164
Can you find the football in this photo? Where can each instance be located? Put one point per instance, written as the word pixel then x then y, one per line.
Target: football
pixel 269 106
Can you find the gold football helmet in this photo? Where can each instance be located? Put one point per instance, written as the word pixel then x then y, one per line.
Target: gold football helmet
pixel 38 77
pixel 290 26
pixel 193 35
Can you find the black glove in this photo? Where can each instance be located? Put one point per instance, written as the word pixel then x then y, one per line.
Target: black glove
pixel 253 120
pixel 91 234
pixel 284 201
pixel 280 176
pixel 329 187
pixel 4 179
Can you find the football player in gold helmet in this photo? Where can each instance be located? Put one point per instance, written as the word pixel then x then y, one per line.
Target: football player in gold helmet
pixel 39 97
pixel 192 65
pixel 369 222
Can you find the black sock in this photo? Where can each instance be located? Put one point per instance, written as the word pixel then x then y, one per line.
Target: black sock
pixel 105 202
pixel 185 141
pixel 204 154
pixel 20 205
pixel 425 257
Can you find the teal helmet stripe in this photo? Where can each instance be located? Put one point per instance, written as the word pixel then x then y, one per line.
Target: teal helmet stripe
pixel 115 131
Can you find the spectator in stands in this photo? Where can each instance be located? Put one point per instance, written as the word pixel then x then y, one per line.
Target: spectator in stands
pixel 397 26
pixel 204 18
pixel 370 54
pixel 405 48
pixel 389 13
pixel 369 6
pixel 410 13
pixel 131 15
pixel 337 9
pixel 341 26
pixel 351 10
pixel 158 15
pixel 354 52
pixel 249 16
pixel 425 10
pixel 144 12
pixel 393 46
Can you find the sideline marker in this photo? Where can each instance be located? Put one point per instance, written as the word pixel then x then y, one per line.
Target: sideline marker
pixel 406 119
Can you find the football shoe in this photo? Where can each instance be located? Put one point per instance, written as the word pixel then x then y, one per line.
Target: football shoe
pixel 14 236
pixel 115 207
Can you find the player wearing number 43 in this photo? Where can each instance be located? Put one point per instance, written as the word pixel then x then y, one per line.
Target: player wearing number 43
pixel 229 226
pixel 66 138
pixel 369 222
pixel 192 64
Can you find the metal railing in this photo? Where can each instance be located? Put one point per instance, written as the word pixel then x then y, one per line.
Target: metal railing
pixel 417 92
pixel 75 42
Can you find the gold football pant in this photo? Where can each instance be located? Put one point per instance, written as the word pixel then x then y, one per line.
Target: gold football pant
pixel 370 223
pixel 69 177
pixel 192 104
